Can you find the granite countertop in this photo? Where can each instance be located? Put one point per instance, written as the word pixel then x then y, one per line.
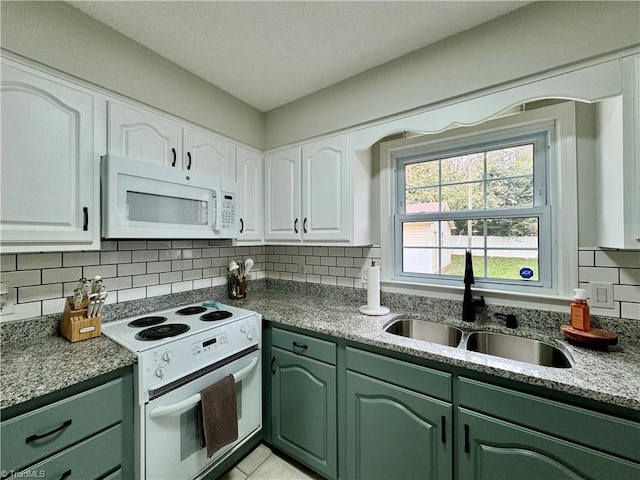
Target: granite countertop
pixel 45 362
pixel 611 377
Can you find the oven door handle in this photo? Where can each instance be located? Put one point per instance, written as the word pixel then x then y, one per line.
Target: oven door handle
pixel 193 400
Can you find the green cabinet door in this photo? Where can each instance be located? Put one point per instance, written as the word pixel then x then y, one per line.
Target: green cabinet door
pixel 491 449
pixel 394 433
pixel 303 410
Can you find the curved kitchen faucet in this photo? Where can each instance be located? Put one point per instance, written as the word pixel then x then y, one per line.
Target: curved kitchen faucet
pixel 469 304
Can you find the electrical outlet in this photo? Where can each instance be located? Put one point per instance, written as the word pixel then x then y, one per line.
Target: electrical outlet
pixel 601 295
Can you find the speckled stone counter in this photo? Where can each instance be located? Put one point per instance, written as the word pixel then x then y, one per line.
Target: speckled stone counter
pixel 611 377
pixel 49 363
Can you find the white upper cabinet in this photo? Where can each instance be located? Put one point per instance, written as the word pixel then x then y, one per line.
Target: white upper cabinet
pixel 51 133
pixel 619 163
pixel 141 135
pixel 325 189
pixel 318 193
pixel 209 155
pixel 282 195
pixel 250 177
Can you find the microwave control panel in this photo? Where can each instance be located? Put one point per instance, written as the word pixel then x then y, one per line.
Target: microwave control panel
pixel 228 211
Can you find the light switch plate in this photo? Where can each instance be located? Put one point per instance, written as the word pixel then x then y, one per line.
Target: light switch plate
pixel 601 295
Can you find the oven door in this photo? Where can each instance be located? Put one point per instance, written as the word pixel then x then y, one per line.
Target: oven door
pixel 173 431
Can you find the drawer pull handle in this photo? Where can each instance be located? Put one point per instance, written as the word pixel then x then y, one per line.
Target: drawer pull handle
pixel 66 474
pixel 443 435
pixel 467 447
pixel 301 346
pixel 35 437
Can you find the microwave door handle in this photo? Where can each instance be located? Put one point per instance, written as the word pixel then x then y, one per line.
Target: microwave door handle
pixel 193 400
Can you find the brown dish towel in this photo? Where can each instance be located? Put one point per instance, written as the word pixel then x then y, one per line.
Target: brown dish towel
pixel 219 414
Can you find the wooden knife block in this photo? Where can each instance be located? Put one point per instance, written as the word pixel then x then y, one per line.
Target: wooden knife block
pixel 75 324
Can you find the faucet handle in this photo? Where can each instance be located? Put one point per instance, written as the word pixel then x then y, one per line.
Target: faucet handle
pixel 512 321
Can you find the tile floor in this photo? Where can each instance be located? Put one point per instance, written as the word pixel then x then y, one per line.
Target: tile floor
pixel 263 464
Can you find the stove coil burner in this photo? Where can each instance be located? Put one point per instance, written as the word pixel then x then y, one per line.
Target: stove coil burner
pixel 162 331
pixel 216 315
pixel 147 321
pixel 191 310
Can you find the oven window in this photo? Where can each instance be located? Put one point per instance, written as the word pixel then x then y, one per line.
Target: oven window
pixel 149 207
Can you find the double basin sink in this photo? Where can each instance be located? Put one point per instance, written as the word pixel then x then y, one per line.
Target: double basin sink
pixel 501 345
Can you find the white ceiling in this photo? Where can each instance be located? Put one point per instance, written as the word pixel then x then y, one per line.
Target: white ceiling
pixel 269 53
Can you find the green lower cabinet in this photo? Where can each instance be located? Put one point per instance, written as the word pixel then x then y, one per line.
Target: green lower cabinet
pixel 303 407
pixel 394 433
pixel 492 449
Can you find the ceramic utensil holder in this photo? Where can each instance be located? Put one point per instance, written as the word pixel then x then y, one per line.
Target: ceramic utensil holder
pixel 75 324
pixel 237 287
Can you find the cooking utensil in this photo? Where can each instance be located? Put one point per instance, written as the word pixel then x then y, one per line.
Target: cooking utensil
pixel 233 268
pixel 96 284
pixel 77 297
pixel 248 263
pixel 101 300
pixel 92 305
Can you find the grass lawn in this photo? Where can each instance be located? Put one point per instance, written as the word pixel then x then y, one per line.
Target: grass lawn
pixel 499 267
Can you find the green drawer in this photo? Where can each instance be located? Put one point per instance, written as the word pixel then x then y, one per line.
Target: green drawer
pixel 91 459
pixel 604 432
pixel 414 377
pixel 304 345
pixel 33 436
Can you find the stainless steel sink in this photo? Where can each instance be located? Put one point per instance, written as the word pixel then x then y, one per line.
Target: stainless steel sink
pixel 426 331
pixel 517 348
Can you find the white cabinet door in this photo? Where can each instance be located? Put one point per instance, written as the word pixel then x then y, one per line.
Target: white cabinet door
pixel 141 135
pixel 209 155
pixel 325 190
pixel 282 195
pixel 249 172
pixel 49 175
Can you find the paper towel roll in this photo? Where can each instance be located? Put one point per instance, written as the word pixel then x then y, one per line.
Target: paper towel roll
pixel 373 287
pixel 373 293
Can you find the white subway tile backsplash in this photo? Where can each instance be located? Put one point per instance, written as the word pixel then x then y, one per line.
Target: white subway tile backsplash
pixel 192 253
pixel 123 256
pixel 144 256
pixel 181 287
pixel 586 258
pixel 157 267
pixel 630 310
pixel 117 283
pixel 344 262
pixel 145 280
pixel 108 245
pixel 181 265
pixel 132 269
pixel 328 280
pixel 159 244
pixel 169 255
pixel 171 277
pixel 22 278
pixel 595 274
pixel 7 263
pixel 192 274
pixel 305 250
pixel 291 250
pixel 321 251
pixel 40 292
pixel 31 261
pixel 336 251
pixel 132 294
pixel 80 259
pixel 228 252
pixel 105 271
pixel 630 276
pixel 328 261
pixel 626 293
pixel 50 307
pixel 202 283
pixel 157 290
pixel 345 282
pixel 609 258
pixel 353 252
pixel 55 275
pixel 181 243
pixel 132 245
pixel 202 263
pixel 210 252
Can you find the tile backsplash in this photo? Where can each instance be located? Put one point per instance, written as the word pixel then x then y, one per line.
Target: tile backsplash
pixel 135 269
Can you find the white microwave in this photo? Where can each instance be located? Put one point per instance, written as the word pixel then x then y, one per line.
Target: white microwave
pixel 144 200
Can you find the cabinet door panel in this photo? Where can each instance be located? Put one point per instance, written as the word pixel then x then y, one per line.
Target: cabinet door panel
pixel 209 155
pixel 492 449
pixel 282 195
pixel 49 169
pixel 395 433
pixel 143 136
pixel 303 396
pixel 325 173
pixel 250 175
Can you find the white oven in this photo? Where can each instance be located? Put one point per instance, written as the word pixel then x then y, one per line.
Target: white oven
pixel 181 352
pixel 173 431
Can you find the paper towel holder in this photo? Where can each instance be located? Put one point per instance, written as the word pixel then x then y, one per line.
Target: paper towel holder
pixel 373 306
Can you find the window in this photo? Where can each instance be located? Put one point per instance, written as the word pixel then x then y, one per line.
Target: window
pixel 487 193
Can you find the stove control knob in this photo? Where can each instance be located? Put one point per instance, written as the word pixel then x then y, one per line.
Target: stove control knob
pixel 167 356
pixel 250 334
pixel 160 371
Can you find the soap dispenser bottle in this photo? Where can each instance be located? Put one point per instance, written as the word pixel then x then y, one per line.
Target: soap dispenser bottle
pixel 580 319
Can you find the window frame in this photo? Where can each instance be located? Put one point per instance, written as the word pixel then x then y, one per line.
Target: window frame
pixel 562 194
pixel 541 135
